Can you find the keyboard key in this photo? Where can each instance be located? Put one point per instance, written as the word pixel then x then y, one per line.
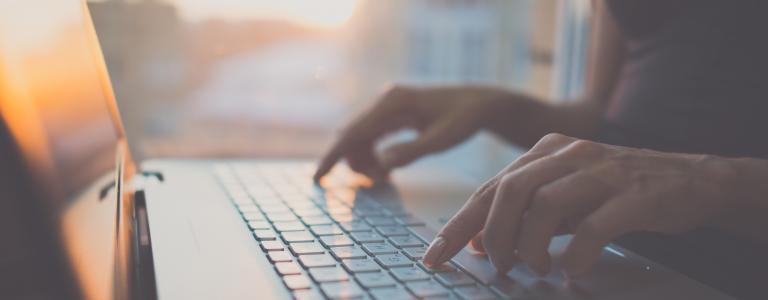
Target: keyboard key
pixel 297 236
pixel 297 282
pixel 323 230
pixel 367 237
pixel 273 207
pixel 272 246
pixel 360 265
pixel 348 252
pixel 344 217
pixel 265 235
pixel 253 216
pixel 318 220
pixel 379 248
pixel 288 268
pixel 425 289
pixel 381 221
pixel 342 290
pixel 415 253
pixel 373 280
pixel 336 241
pixel 266 200
pixel 392 230
pixel 393 260
pixel 328 274
pixel 443 268
pixel 476 265
pixel 410 220
pixel 281 217
pixel 454 279
pixel 355 226
pixel 369 212
pixel 317 260
pixel 307 248
pixel 308 212
pixel 311 294
pixel 289 226
pixel 248 208
pixel 303 205
pixel 259 225
pixel 280 256
pixel 475 292
pixel 409 274
pixel 397 293
pixel 406 241
pixel 338 210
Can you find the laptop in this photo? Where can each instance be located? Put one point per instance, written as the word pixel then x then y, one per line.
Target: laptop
pixel 80 219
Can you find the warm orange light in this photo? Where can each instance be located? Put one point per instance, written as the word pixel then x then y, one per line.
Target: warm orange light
pixel 323 14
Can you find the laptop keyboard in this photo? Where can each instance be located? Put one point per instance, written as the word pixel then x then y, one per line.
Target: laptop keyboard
pixel 335 243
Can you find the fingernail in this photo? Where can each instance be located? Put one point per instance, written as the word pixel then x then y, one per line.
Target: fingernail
pixel 435 251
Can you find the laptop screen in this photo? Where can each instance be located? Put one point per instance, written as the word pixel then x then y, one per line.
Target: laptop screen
pixel 55 96
pixel 57 101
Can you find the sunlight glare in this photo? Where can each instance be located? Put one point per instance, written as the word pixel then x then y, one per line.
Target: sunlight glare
pixel 323 14
pixel 320 14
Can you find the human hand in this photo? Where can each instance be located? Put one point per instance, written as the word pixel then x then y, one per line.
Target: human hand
pixel 597 192
pixel 444 117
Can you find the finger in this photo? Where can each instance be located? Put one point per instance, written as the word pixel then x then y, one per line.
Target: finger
pixel 550 209
pixel 328 161
pixel 471 217
pixel 477 243
pixel 461 227
pixel 511 201
pixel 364 161
pixel 443 134
pixel 610 221
pixel 384 117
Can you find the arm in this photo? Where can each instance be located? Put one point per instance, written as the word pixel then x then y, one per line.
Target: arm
pixel 579 118
pixel 599 192
pixel 748 214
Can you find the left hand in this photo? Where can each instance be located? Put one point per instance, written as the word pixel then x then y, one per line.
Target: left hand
pixel 597 192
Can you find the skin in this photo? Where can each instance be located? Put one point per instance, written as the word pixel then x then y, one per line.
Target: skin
pixel 599 192
pixel 564 184
pixel 446 116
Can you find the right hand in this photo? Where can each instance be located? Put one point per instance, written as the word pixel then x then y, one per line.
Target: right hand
pixel 444 117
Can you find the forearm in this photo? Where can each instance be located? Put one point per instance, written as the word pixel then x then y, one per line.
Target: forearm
pixel 747 213
pixel 526 122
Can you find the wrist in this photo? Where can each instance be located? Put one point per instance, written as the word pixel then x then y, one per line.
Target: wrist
pixel 744 183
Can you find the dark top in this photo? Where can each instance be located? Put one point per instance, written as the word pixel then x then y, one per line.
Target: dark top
pixel 696 81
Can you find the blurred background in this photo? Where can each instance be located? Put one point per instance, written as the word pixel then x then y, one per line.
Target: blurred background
pixel 279 78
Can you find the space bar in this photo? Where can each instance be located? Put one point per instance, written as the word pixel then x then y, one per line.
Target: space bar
pixel 476 265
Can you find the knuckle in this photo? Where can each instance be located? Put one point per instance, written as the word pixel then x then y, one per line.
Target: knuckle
pixel 549 140
pixel 581 148
pixel 544 201
pixel 553 137
pixel 485 188
pixel 509 180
